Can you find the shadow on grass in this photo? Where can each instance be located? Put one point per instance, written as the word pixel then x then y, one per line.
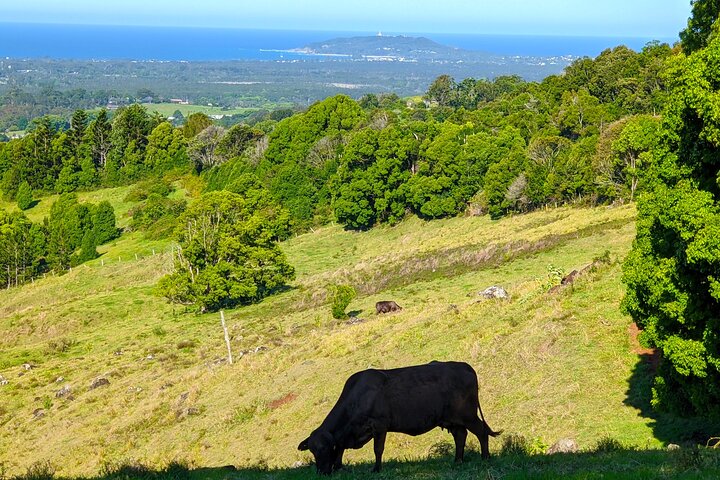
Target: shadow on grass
pixel 666 427
pixel 608 462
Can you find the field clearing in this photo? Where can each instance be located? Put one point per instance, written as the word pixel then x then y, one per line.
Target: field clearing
pixel 167 109
pixel 549 365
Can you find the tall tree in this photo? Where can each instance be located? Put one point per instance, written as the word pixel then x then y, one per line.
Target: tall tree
pixel 100 133
pixel 700 24
pixel 671 273
pixel 78 125
pixel 228 252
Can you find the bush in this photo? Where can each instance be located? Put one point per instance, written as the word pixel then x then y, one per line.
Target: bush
pixel 104 224
pixel 340 298
pixel 24 196
pixel 38 471
pixel 144 189
pixel 609 445
pixel 519 445
pixel 157 217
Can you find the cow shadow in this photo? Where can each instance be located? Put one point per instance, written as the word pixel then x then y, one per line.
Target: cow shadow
pixel 666 427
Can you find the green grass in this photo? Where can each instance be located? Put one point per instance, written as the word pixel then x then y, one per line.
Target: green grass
pixel 629 464
pixel 549 365
pixel 167 109
pixel 116 197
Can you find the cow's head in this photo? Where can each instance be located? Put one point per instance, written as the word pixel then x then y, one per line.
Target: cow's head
pixel 323 447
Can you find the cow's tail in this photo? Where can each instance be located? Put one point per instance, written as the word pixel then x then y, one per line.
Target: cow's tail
pixel 490 430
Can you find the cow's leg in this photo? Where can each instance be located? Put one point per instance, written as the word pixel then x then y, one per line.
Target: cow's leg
pixel 459 435
pixel 338 459
pixel 378 446
pixel 481 431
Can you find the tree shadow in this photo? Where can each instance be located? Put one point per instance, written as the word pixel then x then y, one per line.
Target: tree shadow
pixel 616 462
pixel 667 427
pixel 354 313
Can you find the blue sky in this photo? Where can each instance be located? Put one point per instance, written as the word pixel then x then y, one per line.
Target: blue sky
pixel 641 18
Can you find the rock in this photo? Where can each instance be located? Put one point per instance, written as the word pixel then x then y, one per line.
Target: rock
pixel 27 366
pixel 59 379
pixel 3 381
pixel 118 353
pixel 38 413
pixel 673 446
pixel 64 392
pixel 99 382
pixel 565 445
pixel 183 396
pixel 299 464
pixel 192 411
pixel 354 321
pixel 135 389
pixel 494 292
pixel 453 308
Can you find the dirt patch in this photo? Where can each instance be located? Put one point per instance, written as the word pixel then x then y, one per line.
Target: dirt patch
pixel 651 355
pixel 284 400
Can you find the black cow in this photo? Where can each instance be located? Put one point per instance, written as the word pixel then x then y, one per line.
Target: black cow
pixel 411 400
pixel 387 306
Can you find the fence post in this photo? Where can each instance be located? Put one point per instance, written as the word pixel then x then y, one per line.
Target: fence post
pixel 227 337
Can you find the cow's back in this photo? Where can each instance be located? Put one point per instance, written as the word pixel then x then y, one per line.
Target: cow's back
pixel 419 398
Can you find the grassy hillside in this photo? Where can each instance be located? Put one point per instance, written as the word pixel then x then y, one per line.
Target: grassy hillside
pixel 549 365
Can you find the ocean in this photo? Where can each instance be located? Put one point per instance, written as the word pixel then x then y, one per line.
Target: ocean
pixel 85 42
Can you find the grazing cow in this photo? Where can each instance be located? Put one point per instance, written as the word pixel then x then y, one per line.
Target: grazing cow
pixel 387 306
pixel 411 400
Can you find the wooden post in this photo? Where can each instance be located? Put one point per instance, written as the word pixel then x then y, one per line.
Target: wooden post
pixel 227 337
pixel 136 257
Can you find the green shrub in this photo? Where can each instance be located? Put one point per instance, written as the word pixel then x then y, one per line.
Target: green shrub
pixel 144 189
pixel 104 223
pixel 609 445
pixel 38 471
pixel 24 196
pixel 340 298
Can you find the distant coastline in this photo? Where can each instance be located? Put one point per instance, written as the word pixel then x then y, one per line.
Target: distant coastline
pixel 88 42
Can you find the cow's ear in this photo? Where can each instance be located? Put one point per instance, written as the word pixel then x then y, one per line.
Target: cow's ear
pixel 304 445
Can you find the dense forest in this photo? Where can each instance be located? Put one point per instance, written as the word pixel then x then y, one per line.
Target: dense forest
pixel 476 146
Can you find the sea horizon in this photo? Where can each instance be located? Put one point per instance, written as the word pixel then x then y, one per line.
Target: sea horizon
pixel 166 43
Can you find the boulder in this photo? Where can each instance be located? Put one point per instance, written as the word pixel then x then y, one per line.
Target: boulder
pixel 673 446
pixel 38 413
pixel 494 292
pixel 99 382
pixel 3 380
pixel 564 445
pixel 64 392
